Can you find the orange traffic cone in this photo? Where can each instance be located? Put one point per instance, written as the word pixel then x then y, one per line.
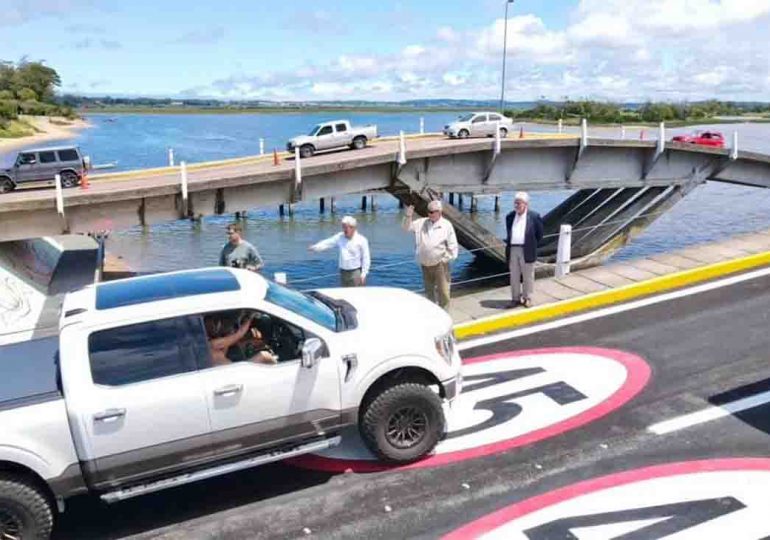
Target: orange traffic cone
pixel 276 159
pixel 84 180
pixel 521 132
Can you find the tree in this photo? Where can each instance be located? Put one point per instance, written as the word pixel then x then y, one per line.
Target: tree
pixel 26 94
pixel 37 77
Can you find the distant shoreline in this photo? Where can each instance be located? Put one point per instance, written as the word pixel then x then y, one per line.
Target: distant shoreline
pixel 263 110
pixel 47 129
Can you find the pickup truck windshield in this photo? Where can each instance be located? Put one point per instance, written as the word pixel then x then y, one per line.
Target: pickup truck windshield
pixel 302 304
pixel 314 131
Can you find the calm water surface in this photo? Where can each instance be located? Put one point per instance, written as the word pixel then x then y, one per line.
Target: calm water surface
pixel 710 212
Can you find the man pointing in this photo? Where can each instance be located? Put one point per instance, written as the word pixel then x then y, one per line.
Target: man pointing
pixel 354 260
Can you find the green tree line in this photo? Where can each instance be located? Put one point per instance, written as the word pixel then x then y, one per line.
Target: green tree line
pixel 28 87
pixel 613 113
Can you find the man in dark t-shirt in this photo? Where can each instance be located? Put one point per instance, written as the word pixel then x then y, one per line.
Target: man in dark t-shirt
pixel 238 253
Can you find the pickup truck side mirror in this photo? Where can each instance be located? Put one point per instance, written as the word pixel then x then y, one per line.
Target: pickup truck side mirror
pixel 311 352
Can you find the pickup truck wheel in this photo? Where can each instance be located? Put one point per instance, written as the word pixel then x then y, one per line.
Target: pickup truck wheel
pixel 359 143
pixel 403 423
pixel 69 179
pixel 25 512
pixel 6 185
pixel 306 151
pixel 463 134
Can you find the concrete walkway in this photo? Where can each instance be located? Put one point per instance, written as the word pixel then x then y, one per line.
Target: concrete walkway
pixel 602 278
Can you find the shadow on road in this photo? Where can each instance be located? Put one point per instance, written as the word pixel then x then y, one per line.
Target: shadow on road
pixel 757 417
pixel 88 517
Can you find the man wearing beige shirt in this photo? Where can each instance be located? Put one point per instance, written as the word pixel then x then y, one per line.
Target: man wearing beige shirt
pixel 436 247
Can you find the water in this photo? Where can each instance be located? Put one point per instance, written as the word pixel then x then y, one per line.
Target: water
pixel 710 212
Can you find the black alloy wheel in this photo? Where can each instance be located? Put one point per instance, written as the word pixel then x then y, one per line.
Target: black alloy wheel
pixel 69 179
pixel 10 525
pixel 6 185
pixel 406 427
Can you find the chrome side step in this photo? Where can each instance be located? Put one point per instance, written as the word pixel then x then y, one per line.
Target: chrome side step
pixel 187 478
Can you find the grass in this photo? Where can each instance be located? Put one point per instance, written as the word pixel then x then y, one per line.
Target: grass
pixel 15 129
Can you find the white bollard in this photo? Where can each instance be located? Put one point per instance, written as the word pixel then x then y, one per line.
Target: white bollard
pixel 297 169
pixel 280 278
pixel 584 133
pixel 422 125
pixel 261 147
pixel 59 195
pixel 561 125
pixel 498 142
pixel 183 172
pixel 734 149
pixel 564 251
pixel 401 149
pixel 170 157
pixel 622 132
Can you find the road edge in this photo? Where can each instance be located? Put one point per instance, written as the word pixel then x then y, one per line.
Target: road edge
pixel 522 317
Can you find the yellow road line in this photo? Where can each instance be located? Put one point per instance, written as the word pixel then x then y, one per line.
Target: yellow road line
pixel 613 296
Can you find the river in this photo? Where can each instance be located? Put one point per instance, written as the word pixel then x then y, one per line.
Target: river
pixel 710 212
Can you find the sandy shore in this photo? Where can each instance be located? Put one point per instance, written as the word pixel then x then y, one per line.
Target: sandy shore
pixel 49 129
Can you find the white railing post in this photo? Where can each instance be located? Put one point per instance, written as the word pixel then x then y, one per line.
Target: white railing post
pixel 584 133
pixel 422 125
pixel 183 178
pixel 661 137
pixel 564 251
pixel 734 149
pixel 59 195
pixel 401 149
pixel 170 157
pixel 561 125
pixel 498 141
pixel 261 147
pixel 622 132
pixel 297 167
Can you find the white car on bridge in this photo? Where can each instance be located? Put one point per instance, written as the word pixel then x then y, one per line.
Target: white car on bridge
pixel 479 124
pixel 329 135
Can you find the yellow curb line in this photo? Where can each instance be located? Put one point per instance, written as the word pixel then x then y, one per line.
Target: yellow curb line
pixel 609 297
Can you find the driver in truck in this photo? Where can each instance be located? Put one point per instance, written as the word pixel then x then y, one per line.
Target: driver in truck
pixel 220 342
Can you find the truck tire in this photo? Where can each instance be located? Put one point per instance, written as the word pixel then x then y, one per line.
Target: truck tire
pixel 359 143
pixel 306 151
pixel 402 423
pixel 6 185
pixel 25 512
pixel 463 134
pixel 69 179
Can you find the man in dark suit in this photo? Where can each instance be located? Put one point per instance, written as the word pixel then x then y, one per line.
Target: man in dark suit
pixel 524 233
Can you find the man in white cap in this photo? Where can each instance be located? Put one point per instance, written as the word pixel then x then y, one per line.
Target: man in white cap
pixel 436 247
pixel 354 258
pixel 525 232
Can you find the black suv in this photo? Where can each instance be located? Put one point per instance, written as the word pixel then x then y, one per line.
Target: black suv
pixel 42 165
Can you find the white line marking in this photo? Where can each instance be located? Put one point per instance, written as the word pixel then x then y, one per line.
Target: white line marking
pixel 709 414
pixel 478 342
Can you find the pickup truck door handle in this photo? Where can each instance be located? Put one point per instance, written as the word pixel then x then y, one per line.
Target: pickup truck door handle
pixel 110 415
pixel 228 390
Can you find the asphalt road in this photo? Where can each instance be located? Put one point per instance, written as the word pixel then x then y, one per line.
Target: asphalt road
pixel 704 349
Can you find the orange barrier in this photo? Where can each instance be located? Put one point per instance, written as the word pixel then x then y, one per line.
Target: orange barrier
pixel 276 159
pixel 84 179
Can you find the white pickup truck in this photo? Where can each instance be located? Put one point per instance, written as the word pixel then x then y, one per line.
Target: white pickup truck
pixel 335 134
pixel 162 380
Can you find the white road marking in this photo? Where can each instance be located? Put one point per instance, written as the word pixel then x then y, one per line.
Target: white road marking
pixel 469 344
pixel 708 414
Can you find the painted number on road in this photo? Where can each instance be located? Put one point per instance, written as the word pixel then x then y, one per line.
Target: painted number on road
pixel 725 498
pixel 513 399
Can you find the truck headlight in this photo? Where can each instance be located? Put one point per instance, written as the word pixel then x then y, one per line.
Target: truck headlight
pixel 445 346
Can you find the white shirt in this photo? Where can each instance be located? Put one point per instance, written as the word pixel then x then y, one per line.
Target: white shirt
pixel 354 252
pixel 435 242
pixel 518 229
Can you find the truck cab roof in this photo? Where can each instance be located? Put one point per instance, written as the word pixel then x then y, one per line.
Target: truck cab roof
pixel 213 289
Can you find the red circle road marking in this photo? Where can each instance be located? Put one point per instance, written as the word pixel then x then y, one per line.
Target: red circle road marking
pixel 505 515
pixel 638 375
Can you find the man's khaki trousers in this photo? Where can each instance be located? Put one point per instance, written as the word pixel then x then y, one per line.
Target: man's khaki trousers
pixel 521 271
pixel 437 282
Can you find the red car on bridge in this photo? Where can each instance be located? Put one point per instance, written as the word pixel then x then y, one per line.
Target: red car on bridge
pixel 705 138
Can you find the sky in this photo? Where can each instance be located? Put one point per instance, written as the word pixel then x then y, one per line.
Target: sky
pixel 389 50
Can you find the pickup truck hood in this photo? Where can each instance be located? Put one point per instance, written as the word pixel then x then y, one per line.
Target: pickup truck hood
pixel 391 311
pixel 300 140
